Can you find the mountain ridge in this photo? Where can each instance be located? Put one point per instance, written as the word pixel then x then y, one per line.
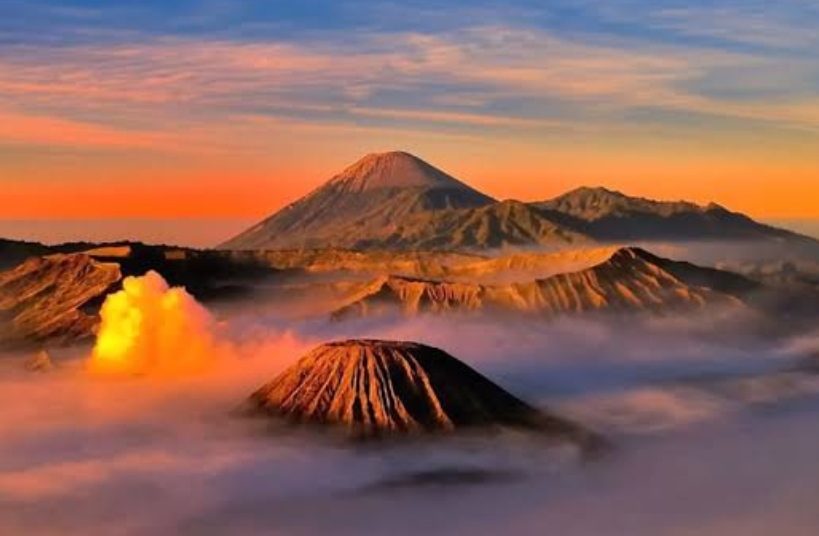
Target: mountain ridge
pixel 372 195
pixel 396 201
pixel 393 169
pixel 626 280
pixel 609 215
pixel 44 298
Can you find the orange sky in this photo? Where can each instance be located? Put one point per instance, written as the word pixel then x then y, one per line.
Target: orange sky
pixel 206 126
pixel 87 187
pixel 160 125
pixel 249 196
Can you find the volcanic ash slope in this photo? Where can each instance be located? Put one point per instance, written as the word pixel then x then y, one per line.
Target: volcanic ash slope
pixel 376 388
pixel 616 279
pixel 45 298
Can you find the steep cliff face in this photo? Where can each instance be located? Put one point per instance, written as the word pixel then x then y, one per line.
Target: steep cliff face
pixel 43 298
pixel 628 279
pixel 412 296
pixel 376 388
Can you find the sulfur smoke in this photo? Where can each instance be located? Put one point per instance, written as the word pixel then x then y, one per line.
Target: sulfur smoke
pixel 149 327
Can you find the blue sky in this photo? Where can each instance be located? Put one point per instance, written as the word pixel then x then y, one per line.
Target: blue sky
pixel 730 58
pixel 728 52
pixel 783 26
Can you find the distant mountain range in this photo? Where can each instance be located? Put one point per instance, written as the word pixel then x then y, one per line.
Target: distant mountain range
pixel 391 232
pixel 606 215
pixel 607 280
pixel 55 299
pixel 397 201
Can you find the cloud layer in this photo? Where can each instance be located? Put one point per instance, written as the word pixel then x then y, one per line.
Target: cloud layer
pixel 516 68
pixel 160 455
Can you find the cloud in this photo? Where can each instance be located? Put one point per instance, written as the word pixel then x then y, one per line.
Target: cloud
pixel 154 91
pixel 492 71
pixel 460 118
pixel 148 328
pixel 783 27
pixel 760 25
pixel 159 455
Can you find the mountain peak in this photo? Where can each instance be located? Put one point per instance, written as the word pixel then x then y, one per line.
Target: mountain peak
pixel 596 190
pixel 601 194
pixel 389 155
pixel 393 169
pixel 365 204
pixel 377 388
pixel 594 193
pixel 598 202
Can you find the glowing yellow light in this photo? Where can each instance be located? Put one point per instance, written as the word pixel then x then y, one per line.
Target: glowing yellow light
pixel 148 327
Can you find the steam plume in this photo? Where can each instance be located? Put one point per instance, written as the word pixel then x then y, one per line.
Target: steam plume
pixel 149 327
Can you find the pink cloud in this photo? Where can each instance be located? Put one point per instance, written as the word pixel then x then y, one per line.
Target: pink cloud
pixel 180 93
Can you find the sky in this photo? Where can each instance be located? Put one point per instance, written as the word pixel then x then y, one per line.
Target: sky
pixel 229 109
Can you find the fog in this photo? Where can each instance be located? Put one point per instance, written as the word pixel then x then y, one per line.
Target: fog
pixel 190 232
pixel 710 252
pixel 714 433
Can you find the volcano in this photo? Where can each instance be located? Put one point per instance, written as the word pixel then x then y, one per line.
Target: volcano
pixel 362 205
pixel 397 202
pixel 375 388
pixel 617 280
pixel 398 169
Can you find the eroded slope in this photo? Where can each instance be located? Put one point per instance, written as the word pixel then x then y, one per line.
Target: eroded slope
pixel 629 279
pixel 374 388
pixel 43 298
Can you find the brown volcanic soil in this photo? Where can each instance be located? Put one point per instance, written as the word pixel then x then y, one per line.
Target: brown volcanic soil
pixel 44 298
pixel 362 206
pixel 55 299
pixel 376 388
pixel 623 280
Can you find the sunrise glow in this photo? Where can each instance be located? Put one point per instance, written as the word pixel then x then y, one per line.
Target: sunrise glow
pixel 119 116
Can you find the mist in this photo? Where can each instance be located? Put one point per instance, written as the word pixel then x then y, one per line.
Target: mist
pixel 714 433
pixel 190 232
pixel 731 252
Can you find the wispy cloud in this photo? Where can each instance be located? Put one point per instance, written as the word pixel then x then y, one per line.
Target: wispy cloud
pixel 134 93
pixel 768 26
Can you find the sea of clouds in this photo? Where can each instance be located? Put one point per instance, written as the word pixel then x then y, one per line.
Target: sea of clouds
pixel 714 430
